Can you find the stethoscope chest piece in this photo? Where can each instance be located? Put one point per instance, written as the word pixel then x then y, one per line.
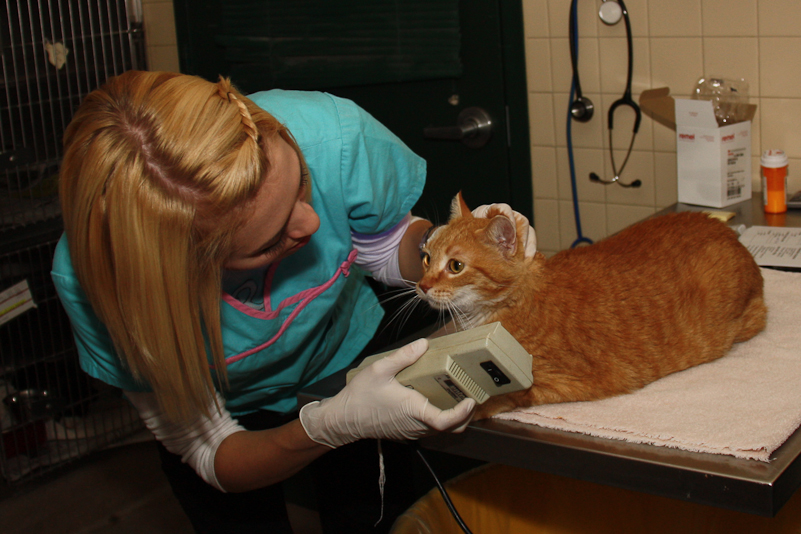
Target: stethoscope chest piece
pixel 610 12
pixel 582 109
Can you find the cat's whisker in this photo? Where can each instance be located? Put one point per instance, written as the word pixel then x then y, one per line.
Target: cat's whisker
pixel 393 294
pixel 398 294
pixel 454 315
pixel 406 312
pixel 442 314
pixel 442 319
pixel 402 315
pixel 460 318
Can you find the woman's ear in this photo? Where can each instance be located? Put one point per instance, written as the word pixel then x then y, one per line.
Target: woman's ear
pixel 502 233
pixel 459 207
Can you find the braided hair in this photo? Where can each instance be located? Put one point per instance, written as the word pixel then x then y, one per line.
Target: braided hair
pixel 157 174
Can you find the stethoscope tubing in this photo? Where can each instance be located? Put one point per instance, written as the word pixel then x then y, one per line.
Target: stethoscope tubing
pixel 625 100
pixel 581 108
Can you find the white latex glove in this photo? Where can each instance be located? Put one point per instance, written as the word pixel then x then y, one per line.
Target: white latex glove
pixel 375 405
pixel 529 237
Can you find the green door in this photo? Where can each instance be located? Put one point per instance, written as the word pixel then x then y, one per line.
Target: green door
pixel 474 60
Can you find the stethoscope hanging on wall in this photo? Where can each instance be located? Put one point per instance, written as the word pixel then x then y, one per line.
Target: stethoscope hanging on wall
pixel 582 109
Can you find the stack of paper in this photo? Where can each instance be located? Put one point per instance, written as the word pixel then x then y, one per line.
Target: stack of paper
pixel 774 246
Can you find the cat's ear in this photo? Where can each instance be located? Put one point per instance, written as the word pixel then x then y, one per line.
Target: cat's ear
pixel 502 233
pixel 459 207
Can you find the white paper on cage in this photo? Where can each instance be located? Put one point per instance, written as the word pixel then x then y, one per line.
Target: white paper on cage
pixel 15 300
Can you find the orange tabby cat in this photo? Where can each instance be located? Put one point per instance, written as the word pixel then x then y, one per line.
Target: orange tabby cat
pixel 659 297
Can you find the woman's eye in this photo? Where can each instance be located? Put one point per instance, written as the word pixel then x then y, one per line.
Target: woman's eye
pixel 426 259
pixel 455 266
pixel 273 249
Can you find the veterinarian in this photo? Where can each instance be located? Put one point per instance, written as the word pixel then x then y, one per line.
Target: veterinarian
pixel 176 191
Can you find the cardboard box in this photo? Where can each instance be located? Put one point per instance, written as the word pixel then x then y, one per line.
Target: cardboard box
pixel 714 162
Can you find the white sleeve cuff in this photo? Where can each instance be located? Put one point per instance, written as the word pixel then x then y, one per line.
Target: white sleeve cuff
pixel 378 254
pixel 196 442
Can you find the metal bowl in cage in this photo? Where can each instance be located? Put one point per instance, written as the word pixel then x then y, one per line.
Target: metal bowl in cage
pixel 30 404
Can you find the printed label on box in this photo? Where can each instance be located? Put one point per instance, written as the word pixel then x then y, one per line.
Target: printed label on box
pixel 737 173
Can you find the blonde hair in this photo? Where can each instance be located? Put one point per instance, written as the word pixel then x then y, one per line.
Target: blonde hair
pixel 158 172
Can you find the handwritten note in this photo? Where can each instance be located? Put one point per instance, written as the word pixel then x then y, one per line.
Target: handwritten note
pixel 773 246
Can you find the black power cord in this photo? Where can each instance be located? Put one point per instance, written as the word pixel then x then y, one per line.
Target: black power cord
pixel 444 493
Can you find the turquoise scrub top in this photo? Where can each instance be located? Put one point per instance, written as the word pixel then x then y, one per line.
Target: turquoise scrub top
pixel 319 312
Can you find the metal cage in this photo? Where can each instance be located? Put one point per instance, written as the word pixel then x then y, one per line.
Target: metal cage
pixel 53 54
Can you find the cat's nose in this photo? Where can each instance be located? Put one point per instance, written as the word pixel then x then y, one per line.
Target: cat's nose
pixel 424 287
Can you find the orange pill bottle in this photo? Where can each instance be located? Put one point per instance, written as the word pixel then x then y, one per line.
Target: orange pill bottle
pixel 773 167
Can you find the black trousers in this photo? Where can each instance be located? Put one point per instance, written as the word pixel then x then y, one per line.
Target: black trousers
pixel 345 480
pixel 212 511
pixel 345 484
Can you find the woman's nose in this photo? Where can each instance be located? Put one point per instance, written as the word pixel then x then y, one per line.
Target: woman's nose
pixel 303 222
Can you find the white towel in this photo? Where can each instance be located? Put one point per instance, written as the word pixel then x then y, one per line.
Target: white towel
pixel 745 404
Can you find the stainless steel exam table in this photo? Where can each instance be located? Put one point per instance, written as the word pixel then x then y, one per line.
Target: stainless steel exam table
pixel 711 479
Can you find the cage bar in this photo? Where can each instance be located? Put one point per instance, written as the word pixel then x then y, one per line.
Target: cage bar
pixel 52 53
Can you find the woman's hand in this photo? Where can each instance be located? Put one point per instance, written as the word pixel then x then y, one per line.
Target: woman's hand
pixel 375 405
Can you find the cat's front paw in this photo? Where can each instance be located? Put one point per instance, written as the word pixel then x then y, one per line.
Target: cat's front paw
pixel 492 406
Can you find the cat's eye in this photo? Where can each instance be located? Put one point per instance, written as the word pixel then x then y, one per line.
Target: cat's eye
pixel 455 266
pixel 426 259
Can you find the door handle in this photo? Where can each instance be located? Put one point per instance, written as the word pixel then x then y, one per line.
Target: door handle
pixel 473 128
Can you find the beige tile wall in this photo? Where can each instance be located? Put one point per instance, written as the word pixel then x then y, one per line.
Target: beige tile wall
pixel 675 43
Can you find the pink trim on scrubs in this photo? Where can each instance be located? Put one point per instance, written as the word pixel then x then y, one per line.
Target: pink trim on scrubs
pixel 305 298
